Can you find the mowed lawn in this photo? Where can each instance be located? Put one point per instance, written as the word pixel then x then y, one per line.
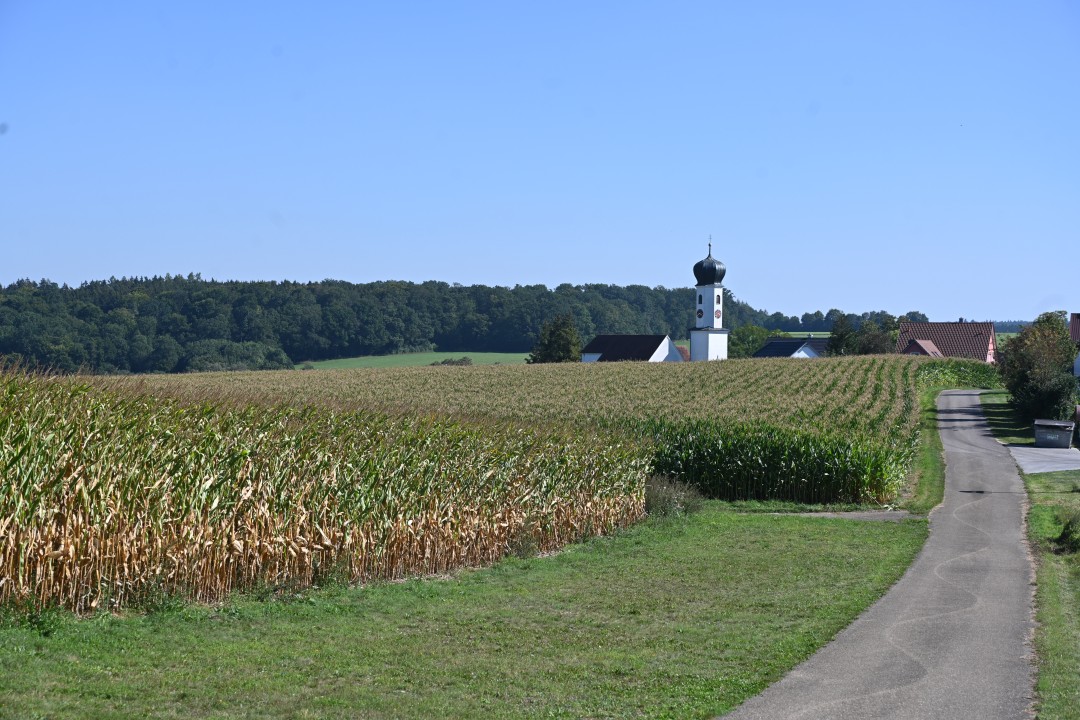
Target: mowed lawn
pixel 682 617
pixel 416 360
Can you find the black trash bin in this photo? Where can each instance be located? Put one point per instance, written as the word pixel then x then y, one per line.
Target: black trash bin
pixel 1053 433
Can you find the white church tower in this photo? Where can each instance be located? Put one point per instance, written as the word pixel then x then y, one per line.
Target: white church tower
pixel 708 338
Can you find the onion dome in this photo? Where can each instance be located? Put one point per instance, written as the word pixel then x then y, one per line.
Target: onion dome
pixel 709 271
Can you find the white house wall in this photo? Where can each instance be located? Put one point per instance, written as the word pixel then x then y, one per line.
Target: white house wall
pixel 805 352
pixel 666 352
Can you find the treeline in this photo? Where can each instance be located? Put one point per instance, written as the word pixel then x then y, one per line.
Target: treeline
pixel 180 324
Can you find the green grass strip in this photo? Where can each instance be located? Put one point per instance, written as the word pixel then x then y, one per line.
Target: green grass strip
pixel 679 618
pixel 928 488
pixel 1057 639
pixel 1053 496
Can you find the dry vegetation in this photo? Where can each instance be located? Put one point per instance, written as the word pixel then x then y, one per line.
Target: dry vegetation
pixel 111 498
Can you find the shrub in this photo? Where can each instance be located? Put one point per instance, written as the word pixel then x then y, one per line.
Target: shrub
pixel 958 372
pixel 464 361
pixel 666 497
pixel 1047 393
pixel 1036 367
pixel 1069 539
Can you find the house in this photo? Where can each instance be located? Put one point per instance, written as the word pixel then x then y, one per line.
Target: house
pixel 922 347
pixel 1074 333
pixel 793 347
pixel 974 340
pixel 617 348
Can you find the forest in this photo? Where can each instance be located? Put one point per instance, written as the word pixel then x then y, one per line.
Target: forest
pixel 187 324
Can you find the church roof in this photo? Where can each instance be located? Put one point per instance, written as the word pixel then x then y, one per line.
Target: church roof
pixel 709 271
pixel 1074 327
pixel 615 348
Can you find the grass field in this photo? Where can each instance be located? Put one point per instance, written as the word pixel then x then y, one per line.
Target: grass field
pixel 414 360
pixel 1054 532
pixel 676 618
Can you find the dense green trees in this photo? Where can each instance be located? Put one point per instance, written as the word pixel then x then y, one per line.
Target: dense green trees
pixel 869 334
pixel 162 324
pixel 1036 367
pixel 843 340
pixel 872 339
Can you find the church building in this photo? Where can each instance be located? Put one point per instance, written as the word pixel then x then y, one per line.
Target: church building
pixel 708 338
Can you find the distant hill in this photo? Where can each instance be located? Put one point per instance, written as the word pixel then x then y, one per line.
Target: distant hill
pixel 185 323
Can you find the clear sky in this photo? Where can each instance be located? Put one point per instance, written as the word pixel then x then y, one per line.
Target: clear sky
pixel 860 155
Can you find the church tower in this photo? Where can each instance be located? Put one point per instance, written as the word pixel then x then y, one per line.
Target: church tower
pixel 708 338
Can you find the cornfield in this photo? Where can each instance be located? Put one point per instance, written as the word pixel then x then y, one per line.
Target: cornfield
pixel 851 393
pixel 836 430
pixel 118 489
pixel 110 497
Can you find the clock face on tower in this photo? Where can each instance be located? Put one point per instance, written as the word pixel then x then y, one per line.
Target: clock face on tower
pixel 700 314
pixel 717 314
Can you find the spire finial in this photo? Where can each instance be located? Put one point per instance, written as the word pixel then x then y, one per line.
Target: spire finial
pixel 710 243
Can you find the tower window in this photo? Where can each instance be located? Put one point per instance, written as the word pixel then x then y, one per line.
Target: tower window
pixel 699 299
pixel 719 298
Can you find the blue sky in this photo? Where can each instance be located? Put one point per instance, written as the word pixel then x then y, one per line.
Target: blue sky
pixel 884 155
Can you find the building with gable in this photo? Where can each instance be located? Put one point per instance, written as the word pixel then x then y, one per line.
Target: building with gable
pixel 708 338
pixel 793 347
pixel 622 348
pixel 922 347
pixel 974 340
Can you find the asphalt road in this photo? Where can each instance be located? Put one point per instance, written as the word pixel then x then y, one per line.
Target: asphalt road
pixel 952 638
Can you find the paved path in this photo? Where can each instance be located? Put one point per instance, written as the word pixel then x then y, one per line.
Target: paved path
pixel 950 640
pixel 868 515
pixel 1036 460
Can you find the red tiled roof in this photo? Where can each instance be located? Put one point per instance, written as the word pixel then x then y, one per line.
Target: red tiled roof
pixel 974 340
pixel 1074 327
pixel 927 347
